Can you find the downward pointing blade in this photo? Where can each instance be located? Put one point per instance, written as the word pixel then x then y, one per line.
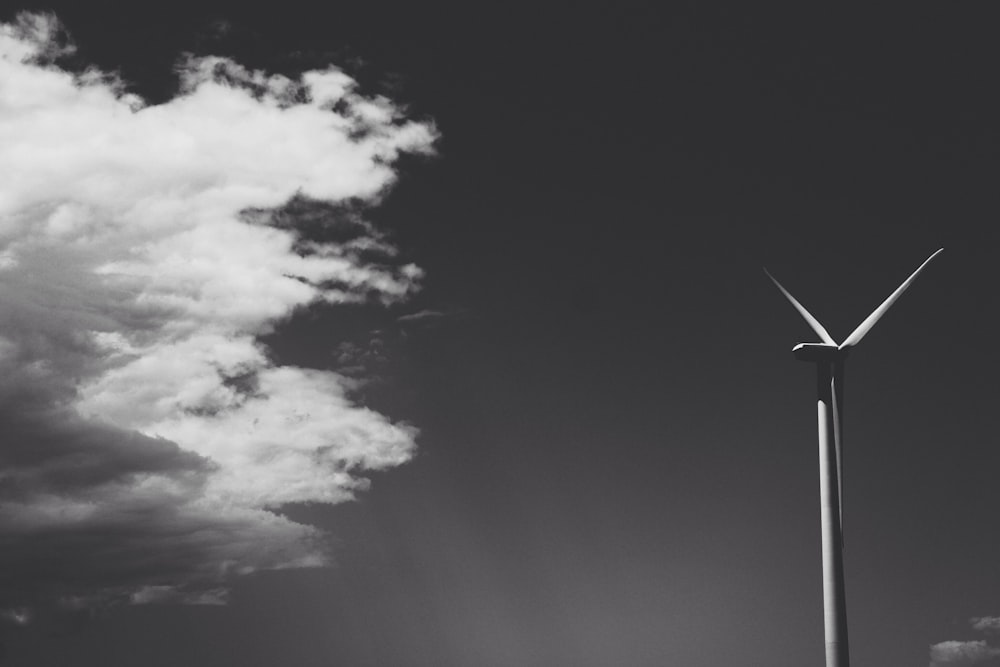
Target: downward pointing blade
pixel 870 321
pixel 806 315
pixel 838 434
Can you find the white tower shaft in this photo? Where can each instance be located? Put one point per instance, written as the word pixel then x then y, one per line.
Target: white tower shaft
pixel 834 599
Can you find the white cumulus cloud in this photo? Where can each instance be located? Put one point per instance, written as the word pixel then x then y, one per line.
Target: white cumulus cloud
pixel 953 653
pixel 975 652
pixel 144 250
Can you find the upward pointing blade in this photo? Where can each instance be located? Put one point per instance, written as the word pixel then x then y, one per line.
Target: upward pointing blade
pixel 806 315
pixel 870 321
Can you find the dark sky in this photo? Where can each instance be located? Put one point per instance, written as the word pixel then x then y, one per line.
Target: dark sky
pixel 617 458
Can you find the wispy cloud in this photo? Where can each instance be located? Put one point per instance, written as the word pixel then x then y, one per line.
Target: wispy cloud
pixel 421 316
pixel 986 623
pixel 149 434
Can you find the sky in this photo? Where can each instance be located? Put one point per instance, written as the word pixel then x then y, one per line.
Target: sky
pixel 439 336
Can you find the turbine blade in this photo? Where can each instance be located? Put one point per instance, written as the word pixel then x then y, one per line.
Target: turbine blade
pixel 838 436
pixel 870 321
pixel 806 315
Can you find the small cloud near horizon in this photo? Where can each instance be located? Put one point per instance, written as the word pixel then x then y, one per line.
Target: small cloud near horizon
pixel 966 653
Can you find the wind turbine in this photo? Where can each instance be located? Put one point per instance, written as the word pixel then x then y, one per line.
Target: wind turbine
pixel 829 358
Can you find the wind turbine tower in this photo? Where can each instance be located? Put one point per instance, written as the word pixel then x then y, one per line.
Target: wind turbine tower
pixel 829 358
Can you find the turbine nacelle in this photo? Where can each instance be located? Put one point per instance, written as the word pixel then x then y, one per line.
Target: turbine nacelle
pixel 819 352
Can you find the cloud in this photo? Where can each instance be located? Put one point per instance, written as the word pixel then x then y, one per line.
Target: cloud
pixel 16 616
pixel 968 652
pixel 950 653
pixel 986 623
pixel 421 315
pixel 144 251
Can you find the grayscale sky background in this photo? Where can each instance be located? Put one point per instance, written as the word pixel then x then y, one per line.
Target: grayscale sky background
pixel 587 441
